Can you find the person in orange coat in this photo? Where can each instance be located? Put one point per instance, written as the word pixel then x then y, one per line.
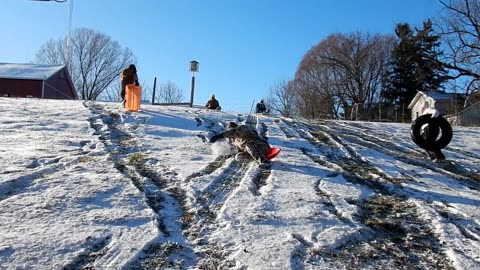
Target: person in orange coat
pixel 128 76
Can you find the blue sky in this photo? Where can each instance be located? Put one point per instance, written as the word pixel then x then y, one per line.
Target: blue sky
pixel 243 46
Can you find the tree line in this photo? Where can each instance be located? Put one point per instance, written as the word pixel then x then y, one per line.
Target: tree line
pixel 343 73
pixel 346 71
pixel 95 62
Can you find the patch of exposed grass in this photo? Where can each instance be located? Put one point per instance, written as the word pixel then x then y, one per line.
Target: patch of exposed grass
pixel 187 218
pixel 85 159
pixel 320 136
pixel 361 169
pixel 214 258
pixel 158 257
pixel 136 158
pixel 397 238
pixel 476 177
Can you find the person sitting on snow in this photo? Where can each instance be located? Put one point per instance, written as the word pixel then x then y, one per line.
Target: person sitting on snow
pixel 261 108
pixel 247 141
pixel 213 104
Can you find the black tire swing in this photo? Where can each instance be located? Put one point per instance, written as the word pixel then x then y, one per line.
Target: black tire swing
pixel 425 130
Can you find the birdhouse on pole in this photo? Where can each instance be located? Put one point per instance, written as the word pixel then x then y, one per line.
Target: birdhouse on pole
pixel 194 66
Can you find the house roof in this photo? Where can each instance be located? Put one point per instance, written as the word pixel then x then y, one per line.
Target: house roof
pixel 28 71
pixel 435 95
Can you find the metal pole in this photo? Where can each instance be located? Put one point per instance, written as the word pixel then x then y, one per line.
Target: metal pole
pixel 68 51
pixel 251 107
pixel 154 87
pixel 193 89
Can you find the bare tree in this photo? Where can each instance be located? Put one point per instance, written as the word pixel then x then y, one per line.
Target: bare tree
pixel 459 28
pixel 94 62
pixel 169 92
pixel 313 96
pixel 341 71
pixel 281 98
pixel 147 91
pixel 112 93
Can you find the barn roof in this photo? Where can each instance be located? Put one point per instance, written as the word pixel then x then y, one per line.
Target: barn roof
pixel 28 71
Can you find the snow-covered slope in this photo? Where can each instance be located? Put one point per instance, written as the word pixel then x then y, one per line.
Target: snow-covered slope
pixel 87 185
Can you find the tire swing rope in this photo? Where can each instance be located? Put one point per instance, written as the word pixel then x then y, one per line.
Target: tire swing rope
pixel 437 123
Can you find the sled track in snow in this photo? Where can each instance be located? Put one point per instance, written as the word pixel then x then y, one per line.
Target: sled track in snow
pixel 213 196
pixel 260 177
pixel 465 177
pixel 166 254
pixel 210 168
pixel 396 238
pixel 468 154
pixel 392 225
pixel 93 249
pixel 129 160
pixel 293 130
pixel 211 200
pixel 414 157
pixel 262 173
pixel 467 228
pixel 352 168
pixel 18 185
pixel 223 184
pixel 328 203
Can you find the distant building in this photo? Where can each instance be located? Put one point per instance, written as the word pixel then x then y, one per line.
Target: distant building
pixel 470 116
pixel 472 98
pixel 36 81
pixel 378 112
pixel 446 103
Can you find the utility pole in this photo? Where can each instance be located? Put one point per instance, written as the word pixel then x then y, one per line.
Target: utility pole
pixel 68 45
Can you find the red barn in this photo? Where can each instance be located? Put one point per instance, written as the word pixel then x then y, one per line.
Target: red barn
pixel 37 81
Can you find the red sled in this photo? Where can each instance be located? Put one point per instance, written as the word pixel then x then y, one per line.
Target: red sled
pixel 273 152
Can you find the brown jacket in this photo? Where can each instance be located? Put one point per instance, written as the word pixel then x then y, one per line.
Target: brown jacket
pixel 246 140
pixel 128 76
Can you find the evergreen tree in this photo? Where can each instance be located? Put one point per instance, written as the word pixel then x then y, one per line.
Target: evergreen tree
pixel 414 66
pixel 401 73
pixel 431 72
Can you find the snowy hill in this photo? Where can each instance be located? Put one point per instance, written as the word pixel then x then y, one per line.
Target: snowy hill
pixel 88 186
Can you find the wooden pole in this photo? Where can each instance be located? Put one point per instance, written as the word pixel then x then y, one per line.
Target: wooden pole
pixel 154 87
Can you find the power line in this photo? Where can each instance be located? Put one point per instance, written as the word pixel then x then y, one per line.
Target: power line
pixel 58 1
